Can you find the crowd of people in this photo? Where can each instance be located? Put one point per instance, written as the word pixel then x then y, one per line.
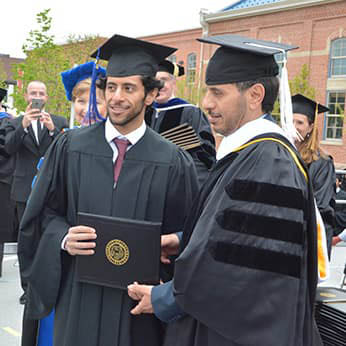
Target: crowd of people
pixel 240 242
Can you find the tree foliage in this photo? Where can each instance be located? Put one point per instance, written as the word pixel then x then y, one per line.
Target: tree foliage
pixel 189 92
pixel 46 60
pixel 298 85
pixel 3 76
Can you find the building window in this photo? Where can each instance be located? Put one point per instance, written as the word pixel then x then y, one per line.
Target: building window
pixel 191 68
pixel 338 58
pixel 335 117
pixel 172 58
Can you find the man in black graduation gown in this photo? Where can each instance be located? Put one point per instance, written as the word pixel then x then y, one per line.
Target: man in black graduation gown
pixel 157 183
pixel 27 139
pixel 169 111
pixel 248 271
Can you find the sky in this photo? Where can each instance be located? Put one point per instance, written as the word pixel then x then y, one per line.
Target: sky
pixel 104 18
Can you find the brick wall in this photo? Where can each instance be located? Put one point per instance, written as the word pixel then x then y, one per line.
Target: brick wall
pixel 311 28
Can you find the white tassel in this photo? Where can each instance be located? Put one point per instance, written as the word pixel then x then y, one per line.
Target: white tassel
pixel 286 113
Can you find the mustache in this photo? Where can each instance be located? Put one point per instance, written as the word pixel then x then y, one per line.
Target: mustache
pixel 213 114
pixel 119 104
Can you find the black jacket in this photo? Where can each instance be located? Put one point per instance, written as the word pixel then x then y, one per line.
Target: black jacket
pixel 27 152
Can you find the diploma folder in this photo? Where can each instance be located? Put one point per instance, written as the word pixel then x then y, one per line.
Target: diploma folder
pixel 126 251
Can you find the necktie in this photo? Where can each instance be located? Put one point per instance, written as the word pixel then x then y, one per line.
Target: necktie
pixel 39 130
pixel 122 145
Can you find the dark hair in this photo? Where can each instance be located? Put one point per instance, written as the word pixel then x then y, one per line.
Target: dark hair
pixel 149 83
pixel 101 83
pixel 271 87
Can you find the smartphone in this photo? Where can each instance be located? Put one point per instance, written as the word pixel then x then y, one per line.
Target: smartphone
pixel 37 104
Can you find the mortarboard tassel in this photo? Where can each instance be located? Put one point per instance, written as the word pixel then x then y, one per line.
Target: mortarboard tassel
pixel 93 114
pixel 286 113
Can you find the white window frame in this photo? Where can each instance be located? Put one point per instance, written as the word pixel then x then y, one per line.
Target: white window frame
pixel 191 70
pixel 333 59
pixel 334 115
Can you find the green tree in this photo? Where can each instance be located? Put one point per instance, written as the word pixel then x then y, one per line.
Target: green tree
pixel 298 85
pixel 3 76
pixel 46 60
pixel 189 92
pixel 78 48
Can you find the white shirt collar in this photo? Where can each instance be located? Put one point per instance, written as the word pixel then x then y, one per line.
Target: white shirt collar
pixel 248 131
pixel 111 133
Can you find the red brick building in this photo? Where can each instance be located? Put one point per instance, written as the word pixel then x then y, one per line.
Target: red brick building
pixel 318 27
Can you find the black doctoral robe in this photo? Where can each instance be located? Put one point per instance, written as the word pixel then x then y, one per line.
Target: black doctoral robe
pixel 177 111
pixel 323 179
pixel 157 183
pixel 248 273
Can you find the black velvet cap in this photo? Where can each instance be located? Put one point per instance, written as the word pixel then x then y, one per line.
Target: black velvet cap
pixel 172 68
pixel 3 93
pixel 128 56
pixel 241 59
pixel 303 105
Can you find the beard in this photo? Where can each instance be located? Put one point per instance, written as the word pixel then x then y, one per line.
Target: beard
pixel 233 123
pixel 137 111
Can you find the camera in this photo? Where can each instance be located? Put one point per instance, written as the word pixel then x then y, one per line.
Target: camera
pixel 37 104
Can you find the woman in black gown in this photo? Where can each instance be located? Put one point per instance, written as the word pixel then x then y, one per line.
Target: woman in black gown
pixel 320 164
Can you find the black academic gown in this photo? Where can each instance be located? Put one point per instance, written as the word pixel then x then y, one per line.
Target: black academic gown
pixel 248 273
pixel 8 224
pixel 340 213
pixel 157 183
pixel 323 178
pixel 181 113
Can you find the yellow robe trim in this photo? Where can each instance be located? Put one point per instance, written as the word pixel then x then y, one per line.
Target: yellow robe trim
pixel 322 261
pixel 293 154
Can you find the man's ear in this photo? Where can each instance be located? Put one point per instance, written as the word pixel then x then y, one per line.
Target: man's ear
pixel 151 96
pixel 256 95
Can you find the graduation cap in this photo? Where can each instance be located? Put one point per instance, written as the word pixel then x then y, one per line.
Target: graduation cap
pixel 242 59
pixel 128 56
pixel 303 105
pixel 3 93
pixel 183 136
pixel 72 77
pixel 172 68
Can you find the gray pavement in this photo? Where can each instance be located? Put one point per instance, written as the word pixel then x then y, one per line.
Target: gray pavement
pixel 337 265
pixel 10 309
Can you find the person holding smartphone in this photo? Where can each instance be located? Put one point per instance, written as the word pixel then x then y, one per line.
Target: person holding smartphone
pixel 28 138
